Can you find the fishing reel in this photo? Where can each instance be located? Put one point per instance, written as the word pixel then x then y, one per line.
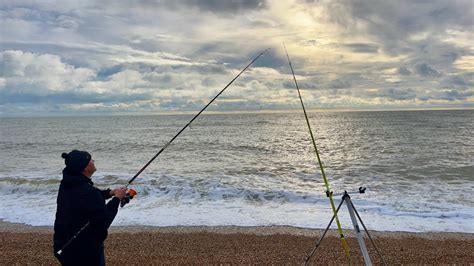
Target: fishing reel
pixel 130 194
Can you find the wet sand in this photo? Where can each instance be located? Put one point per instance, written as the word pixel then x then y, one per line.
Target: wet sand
pixel 23 244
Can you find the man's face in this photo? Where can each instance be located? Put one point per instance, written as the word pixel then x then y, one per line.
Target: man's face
pixel 90 168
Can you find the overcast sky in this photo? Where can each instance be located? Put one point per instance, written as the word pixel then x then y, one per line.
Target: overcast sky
pixel 109 56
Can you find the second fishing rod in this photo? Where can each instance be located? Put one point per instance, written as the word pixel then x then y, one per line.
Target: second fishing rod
pixel 326 182
pixel 131 192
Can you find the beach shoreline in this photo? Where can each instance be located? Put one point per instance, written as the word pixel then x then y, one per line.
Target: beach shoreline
pixel 231 229
pixel 22 244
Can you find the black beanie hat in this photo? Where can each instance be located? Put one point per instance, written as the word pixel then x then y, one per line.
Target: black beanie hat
pixel 76 161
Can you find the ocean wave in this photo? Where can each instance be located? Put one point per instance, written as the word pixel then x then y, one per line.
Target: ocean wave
pixel 17 185
pixel 209 192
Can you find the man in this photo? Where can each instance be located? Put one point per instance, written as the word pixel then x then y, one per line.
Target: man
pixel 80 202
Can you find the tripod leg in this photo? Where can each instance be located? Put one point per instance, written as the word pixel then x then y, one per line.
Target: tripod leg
pixel 360 237
pixel 367 232
pixel 324 233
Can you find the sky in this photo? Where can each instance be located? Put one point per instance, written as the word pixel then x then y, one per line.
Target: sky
pixel 159 56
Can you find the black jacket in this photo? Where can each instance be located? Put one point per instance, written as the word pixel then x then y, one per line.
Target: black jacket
pixel 80 202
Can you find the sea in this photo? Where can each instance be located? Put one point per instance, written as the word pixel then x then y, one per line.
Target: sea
pixel 253 169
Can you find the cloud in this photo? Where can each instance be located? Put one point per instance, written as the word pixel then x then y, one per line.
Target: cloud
pixel 453 95
pixel 39 74
pixel 215 6
pixel 174 55
pixel 424 69
pixel 362 47
pixel 398 94
pixel 394 23
pixel 29 78
pixel 221 6
pixel 404 71
pixel 390 94
pixel 465 81
pixel 339 84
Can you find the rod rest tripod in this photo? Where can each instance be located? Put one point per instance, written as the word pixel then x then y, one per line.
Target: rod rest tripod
pixel 353 213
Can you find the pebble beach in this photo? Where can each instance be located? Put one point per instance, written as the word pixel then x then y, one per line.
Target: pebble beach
pixel 142 245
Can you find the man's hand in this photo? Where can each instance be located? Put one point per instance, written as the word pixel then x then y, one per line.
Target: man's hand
pixel 119 192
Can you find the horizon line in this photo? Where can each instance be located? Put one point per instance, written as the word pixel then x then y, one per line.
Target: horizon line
pixel 230 112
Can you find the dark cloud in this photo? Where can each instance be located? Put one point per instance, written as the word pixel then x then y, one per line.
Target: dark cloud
pixel 9 97
pixel 362 47
pixel 339 84
pixel 303 85
pixel 399 94
pixel 219 6
pixel 208 82
pixel 109 71
pixel 440 55
pixel 208 69
pixel 394 21
pixel 270 59
pixel 167 70
pixel 424 69
pixel 403 71
pixel 288 84
pixel 459 81
pixel 215 6
pixel 454 95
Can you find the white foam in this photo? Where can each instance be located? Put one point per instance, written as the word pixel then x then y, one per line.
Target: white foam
pixel 151 211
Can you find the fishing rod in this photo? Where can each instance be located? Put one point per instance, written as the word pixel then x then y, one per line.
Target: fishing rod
pixel 326 182
pixel 131 193
pixel 189 123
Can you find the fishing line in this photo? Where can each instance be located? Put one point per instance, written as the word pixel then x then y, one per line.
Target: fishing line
pixel 326 182
pixel 168 143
